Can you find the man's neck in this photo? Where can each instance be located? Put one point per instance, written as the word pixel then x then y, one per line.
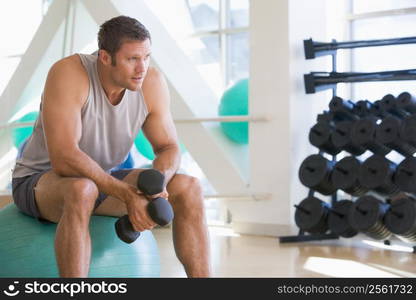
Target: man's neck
pixel 113 93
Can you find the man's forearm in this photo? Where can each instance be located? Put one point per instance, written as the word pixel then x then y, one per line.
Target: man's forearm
pixel 167 161
pixel 79 164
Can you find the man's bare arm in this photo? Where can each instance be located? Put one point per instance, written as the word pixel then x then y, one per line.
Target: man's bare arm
pixel 65 92
pixel 159 127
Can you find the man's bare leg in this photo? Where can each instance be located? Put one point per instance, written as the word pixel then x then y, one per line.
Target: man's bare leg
pixel 68 202
pixel 190 234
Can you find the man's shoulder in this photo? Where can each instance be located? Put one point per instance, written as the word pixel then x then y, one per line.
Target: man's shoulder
pixel 155 89
pixel 69 68
pixel 70 63
pixel 153 75
pixel 68 76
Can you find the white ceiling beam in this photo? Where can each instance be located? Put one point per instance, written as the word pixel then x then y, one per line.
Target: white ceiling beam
pixel 28 78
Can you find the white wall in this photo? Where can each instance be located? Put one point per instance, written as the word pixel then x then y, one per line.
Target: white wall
pixel 277 65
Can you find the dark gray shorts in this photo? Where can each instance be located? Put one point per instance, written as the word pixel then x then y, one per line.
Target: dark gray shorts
pixel 24 193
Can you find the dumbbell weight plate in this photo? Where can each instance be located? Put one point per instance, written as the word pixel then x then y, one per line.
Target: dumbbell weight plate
pixel 401 218
pixel 338 222
pixel 388 130
pixel 407 102
pixel 363 134
pixel 405 176
pixel 345 173
pixel 408 130
pixel 362 108
pixel 341 138
pixel 365 213
pixel 375 172
pixel 320 137
pixel 314 173
pixel 312 215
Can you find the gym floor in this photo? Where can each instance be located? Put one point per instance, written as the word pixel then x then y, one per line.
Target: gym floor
pixel 235 255
pixel 256 256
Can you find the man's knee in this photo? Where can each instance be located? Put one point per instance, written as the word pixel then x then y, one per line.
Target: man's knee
pixel 187 193
pixel 80 195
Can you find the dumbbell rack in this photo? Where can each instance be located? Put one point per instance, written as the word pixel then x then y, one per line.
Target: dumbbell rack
pixel 318 81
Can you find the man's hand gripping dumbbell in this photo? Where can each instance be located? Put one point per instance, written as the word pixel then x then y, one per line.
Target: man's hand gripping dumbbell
pixel 150 182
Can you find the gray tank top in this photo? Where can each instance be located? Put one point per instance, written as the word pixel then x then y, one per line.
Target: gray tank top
pixel 108 131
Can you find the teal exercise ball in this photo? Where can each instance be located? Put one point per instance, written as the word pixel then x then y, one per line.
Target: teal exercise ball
pixel 27 249
pixel 20 134
pixel 233 102
pixel 146 149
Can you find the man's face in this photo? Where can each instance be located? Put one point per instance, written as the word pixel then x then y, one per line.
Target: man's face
pixel 132 62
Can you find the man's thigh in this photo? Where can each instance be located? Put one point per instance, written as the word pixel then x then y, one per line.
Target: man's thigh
pixel 49 193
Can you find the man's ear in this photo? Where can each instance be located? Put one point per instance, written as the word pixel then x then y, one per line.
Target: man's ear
pixel 104 57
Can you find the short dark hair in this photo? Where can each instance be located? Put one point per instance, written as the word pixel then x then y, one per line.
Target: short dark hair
pixel 117 30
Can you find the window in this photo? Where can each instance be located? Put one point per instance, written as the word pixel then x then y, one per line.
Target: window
pixel 214 35
pixel 222 26
pixel 17 27
pixel 382 20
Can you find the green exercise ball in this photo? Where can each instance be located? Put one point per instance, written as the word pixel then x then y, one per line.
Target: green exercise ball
pixel 146 149
pixel 20 134
pixel 233 102
pixel 27 249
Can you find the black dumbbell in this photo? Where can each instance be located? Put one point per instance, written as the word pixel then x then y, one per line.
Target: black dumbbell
pixel 342 109
pixel 405 176
pixel 408 130
pixel 363 134
pixel 345 176
pixel 341 138
pixel 376 111
pixel 320 137
pixel 387 133
pixel 325 116
pixel 366 215
pixel 315 172
pixel 338 219
pixel 311 215
pixel 400 219
pixel 362 108
pixel 388 105
pixel 150 182
pixel 377 174
pixel 406 102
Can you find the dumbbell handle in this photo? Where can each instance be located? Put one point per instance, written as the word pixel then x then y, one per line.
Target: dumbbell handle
pixel 159 209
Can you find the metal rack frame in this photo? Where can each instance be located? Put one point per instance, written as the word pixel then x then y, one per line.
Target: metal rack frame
pixel 318 81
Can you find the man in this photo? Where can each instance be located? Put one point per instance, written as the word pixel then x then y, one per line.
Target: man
pixel 92 109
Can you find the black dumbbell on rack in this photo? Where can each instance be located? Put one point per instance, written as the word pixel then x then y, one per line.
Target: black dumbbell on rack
pixel 338 222
pixel 363 134
pixel 400 218
pixel 388 105
pixel 341 138
pixel 408 130
pixel 150 182
pixel 376 111
pixel 312 215
pixel 388 134
pixel 345 176
pixel 320 137
pixel 407 102
pixel 362 108
pixel 315 172
pixel 342 109
pixel 366 216
pixel 377 174
pixel 405 176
